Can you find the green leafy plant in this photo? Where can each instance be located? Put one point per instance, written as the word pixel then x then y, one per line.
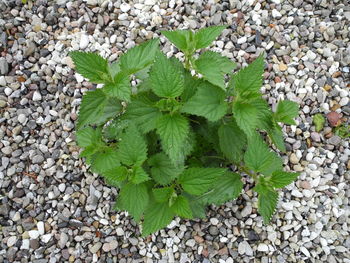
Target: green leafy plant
pixel 343 131
pixel 182 137
pixel 319 121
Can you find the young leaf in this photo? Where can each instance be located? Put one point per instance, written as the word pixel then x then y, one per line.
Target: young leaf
pixel 97 108
pixel 232 141
pixel 134 199
pixel 258 157
pixel 163 170
pixel 91 66
pixel 173 130
pixel 157 216
pixel 116 176
pixel 132 148
pixel 182 208
pixel 143 112
pixel 276 136
pixel 280 179
pixel 119 88
pixel 208 102
pixel 162 194
pixel 249 79
pixel 286 111
pixel 213 67
pixel 246 116
pixel 205 36
pixel 105 160
pixel 89 136
pixel 267 201
pixel 191 85
pixel 139 57
pixel 139 175
pixel 166 78
pixel 319 121
pixel 197 181
pixel 181 39
pixel 229 187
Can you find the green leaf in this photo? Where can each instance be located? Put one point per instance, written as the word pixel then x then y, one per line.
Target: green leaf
pixel 197 181
pixel 208 102
pixel 91 66
pixel 163 170
pixel 265 118
pixel 276 136
pixel 197 208
pixel 114 69
pixel 139 57
pixel 119 88
pixel 115 128
pixel 182 208
pixel 227 188
pixel 286 111
pixel 191 85
pixel 232 141
pixel 173 130
pixel 267 201
pixel 246 116
pixel 205 36
pixel 166 78
pixel 97 108
pixel 104 160
pixel 181 39
pixel 213 67
pixel 249 79
pixel 157 216
pixel 275 164
pixel 143 112
pixel 281 179
pixel 139 175
pixel 89 136
pixel 116 176
pixel 132 147
pixel 134 198
pixel 319 121
pixel 162 194
pixel 258 156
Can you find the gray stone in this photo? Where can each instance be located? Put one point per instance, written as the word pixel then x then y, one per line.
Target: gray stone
pixel 334 140
pixel 4 66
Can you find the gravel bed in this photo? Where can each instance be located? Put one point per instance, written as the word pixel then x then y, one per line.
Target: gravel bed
pixel 52 209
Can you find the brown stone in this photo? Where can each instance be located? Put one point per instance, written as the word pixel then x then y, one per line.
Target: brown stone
pixel 336 74
pixel 327 87
pixel 198 239
pixel 305 184
pixel 223 251
pixel 334 119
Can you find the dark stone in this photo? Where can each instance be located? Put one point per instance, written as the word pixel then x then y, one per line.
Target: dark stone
pixel 50 20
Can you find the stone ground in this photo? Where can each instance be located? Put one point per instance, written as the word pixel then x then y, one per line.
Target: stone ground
pixel 54 210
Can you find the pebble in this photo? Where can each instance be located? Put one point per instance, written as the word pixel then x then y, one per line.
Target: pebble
pixel 96 247
pixel 245 249
pixel 11 241
pixel 84 41
pixel 263 247
pixel 110 246
pixel 33 234
pixel 36 96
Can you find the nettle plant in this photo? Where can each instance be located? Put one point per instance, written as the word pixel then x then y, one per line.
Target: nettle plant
pixel 179 139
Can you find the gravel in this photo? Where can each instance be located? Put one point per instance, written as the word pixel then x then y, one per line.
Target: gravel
pixel 53 209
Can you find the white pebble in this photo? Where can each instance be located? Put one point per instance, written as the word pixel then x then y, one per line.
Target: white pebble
pixel 33 234
pixel 84 41
pixel 305 251
pixel 46 238
pixel 25 244
pixel 288 206
pixel 119 231
pixel 11 241
pixel 124 7
pixel 36 96
pixel 276 14
pixel 41 227
pixel 241 40
pixel 263 247
pixel 214 221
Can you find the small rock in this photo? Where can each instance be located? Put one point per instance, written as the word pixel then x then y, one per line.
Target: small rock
pixel 119 231
pixel 33 234
pixel 263 247
pixel 36 96
pixel 334 140
pixel 110 246
pixel 245 249
pixel 282 67
pixel 96 247
pixel 11 241
pixel 294 159
pixel 334 118
pixel 276 14
pixel 124 7
pixel 4 66
pixel 190 243
pixel 84 41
